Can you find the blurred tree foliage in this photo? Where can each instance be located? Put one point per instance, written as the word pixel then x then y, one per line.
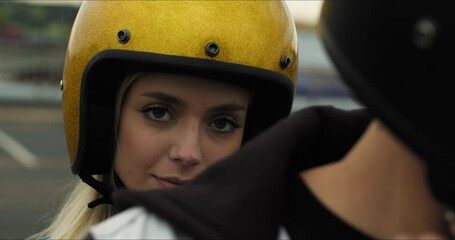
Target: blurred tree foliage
pixel 35 23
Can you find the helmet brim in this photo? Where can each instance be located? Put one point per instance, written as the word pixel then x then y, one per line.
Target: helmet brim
pixel 272 97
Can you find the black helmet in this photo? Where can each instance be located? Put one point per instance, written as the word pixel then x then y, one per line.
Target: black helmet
pixel 397 57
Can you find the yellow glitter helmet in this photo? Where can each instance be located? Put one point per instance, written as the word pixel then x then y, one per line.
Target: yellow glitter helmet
pixel 250 43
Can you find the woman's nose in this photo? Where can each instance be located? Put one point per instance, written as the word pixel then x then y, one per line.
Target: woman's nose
pixel 186 150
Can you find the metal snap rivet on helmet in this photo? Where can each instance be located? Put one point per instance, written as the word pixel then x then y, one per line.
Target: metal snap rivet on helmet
pixel 424 33
pixel 212 49
pixel 123 36
pixel 285 62
pixel 61 85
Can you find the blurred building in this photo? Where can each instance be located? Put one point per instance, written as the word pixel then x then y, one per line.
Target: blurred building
pixel 34 35
pixel 318 82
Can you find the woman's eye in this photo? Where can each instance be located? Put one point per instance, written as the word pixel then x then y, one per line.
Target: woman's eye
pixel 225 125
pixel 158 113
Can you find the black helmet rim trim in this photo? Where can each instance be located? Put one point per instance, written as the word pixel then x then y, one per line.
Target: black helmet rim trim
pixel 115 64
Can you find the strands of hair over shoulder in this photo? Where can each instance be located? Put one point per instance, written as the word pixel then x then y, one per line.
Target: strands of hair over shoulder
pixel 75 218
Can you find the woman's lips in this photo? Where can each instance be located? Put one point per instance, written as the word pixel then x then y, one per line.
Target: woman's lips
pixel 169 182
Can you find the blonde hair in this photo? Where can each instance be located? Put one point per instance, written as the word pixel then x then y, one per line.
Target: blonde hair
pixel 75 218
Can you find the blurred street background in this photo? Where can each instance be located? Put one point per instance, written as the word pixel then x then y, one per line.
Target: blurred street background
pixel 34 164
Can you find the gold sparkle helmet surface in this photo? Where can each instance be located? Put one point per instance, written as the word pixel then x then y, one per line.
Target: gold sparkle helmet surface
pixel 248 43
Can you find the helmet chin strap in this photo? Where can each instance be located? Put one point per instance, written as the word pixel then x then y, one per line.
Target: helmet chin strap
pixel 100 187
pixel 118 182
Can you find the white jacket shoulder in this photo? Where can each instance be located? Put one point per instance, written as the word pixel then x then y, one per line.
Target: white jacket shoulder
pixel 134 223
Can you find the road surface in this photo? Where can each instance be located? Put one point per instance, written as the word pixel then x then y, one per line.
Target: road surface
pixel 34 167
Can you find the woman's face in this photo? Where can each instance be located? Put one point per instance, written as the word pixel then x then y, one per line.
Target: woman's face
pixel 172 127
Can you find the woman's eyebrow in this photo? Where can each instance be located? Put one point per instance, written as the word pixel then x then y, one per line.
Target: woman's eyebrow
pixel 165 98
pixel 230 107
